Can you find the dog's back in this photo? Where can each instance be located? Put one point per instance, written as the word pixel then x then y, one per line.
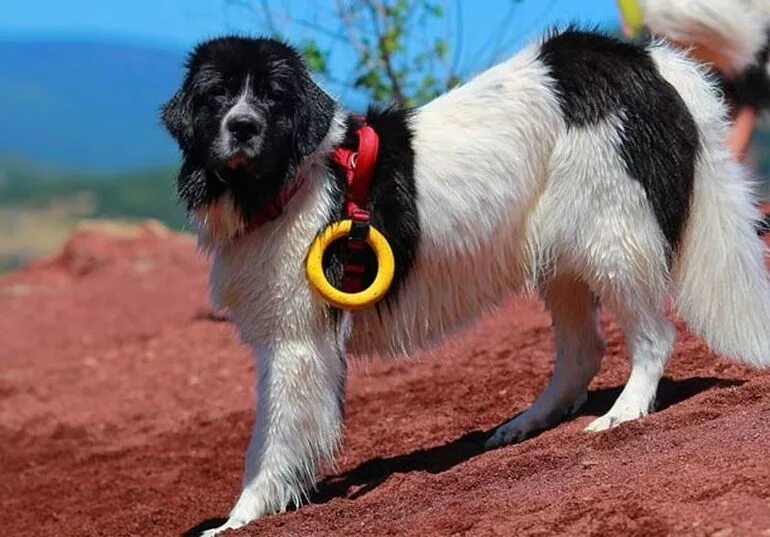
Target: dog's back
pixel 581 155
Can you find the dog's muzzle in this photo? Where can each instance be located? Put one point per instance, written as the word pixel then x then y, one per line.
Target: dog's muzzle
pixel 244 128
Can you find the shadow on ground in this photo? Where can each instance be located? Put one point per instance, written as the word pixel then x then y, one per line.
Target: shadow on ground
pixel 370 474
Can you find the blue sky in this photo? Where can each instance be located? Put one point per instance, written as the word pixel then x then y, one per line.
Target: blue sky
pixel 489 29
pixel 177 24
pixel 479 33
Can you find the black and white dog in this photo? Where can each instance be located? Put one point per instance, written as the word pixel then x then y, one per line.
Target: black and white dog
pixel 581 168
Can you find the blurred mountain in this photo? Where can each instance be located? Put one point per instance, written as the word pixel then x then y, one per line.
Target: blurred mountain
pixel 85 105
pixel 80 138
pixel 40 206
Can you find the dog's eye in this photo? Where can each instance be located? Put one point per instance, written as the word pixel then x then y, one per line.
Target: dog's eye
pixel 219 96
pixel 217 91
pixel 276 90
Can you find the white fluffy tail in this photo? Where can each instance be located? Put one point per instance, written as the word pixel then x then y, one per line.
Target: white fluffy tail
pixel 721 280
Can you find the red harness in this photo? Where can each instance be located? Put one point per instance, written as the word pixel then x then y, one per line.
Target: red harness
pixel 358 165
pixel 359 170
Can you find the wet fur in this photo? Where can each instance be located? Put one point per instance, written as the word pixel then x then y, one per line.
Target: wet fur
pixel 542 173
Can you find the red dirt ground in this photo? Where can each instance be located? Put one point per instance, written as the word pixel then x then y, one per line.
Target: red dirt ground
pixel 125 409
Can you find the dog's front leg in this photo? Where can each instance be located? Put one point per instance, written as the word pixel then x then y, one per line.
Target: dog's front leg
pixel 300 385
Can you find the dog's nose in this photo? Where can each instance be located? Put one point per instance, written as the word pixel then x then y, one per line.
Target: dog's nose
pixel 244 128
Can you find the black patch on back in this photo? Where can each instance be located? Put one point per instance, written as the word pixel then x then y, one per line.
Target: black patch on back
pixel 597 76
pixel 393 196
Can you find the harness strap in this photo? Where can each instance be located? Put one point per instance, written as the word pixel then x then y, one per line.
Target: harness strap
pixel 359 170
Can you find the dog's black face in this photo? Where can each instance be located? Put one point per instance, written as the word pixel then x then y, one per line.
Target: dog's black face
pixel 246 116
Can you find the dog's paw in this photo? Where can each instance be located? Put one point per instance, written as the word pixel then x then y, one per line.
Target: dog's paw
pixel 512 432
pixel 531 421
pixel 615 417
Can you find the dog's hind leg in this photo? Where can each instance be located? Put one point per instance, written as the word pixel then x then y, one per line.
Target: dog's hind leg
pixel 649 340
pixel 579 350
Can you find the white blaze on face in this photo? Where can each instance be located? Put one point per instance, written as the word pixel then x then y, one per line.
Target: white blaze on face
pixel 227 146
pixel 240 108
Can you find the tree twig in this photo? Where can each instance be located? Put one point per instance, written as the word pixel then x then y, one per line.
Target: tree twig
pixel 378 17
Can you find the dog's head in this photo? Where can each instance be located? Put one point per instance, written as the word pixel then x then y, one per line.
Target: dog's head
pixel 245 118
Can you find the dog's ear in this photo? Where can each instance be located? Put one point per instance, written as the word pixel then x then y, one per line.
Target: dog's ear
pixel 177 117
pixel 315 112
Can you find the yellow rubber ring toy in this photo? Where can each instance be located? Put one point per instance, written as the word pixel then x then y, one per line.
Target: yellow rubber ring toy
pixel 386 265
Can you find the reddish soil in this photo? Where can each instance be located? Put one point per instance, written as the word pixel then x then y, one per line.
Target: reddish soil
pixel 125 409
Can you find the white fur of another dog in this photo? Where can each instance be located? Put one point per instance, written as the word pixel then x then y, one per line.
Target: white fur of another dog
pixel 735 29
pixel 509 199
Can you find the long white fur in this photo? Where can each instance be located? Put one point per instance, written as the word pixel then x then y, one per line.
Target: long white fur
pixel 509 199
pixel 720 251
pixel 735 29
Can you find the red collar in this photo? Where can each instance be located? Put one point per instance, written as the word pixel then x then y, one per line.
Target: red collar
pixel 274 209
pixel 359 169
